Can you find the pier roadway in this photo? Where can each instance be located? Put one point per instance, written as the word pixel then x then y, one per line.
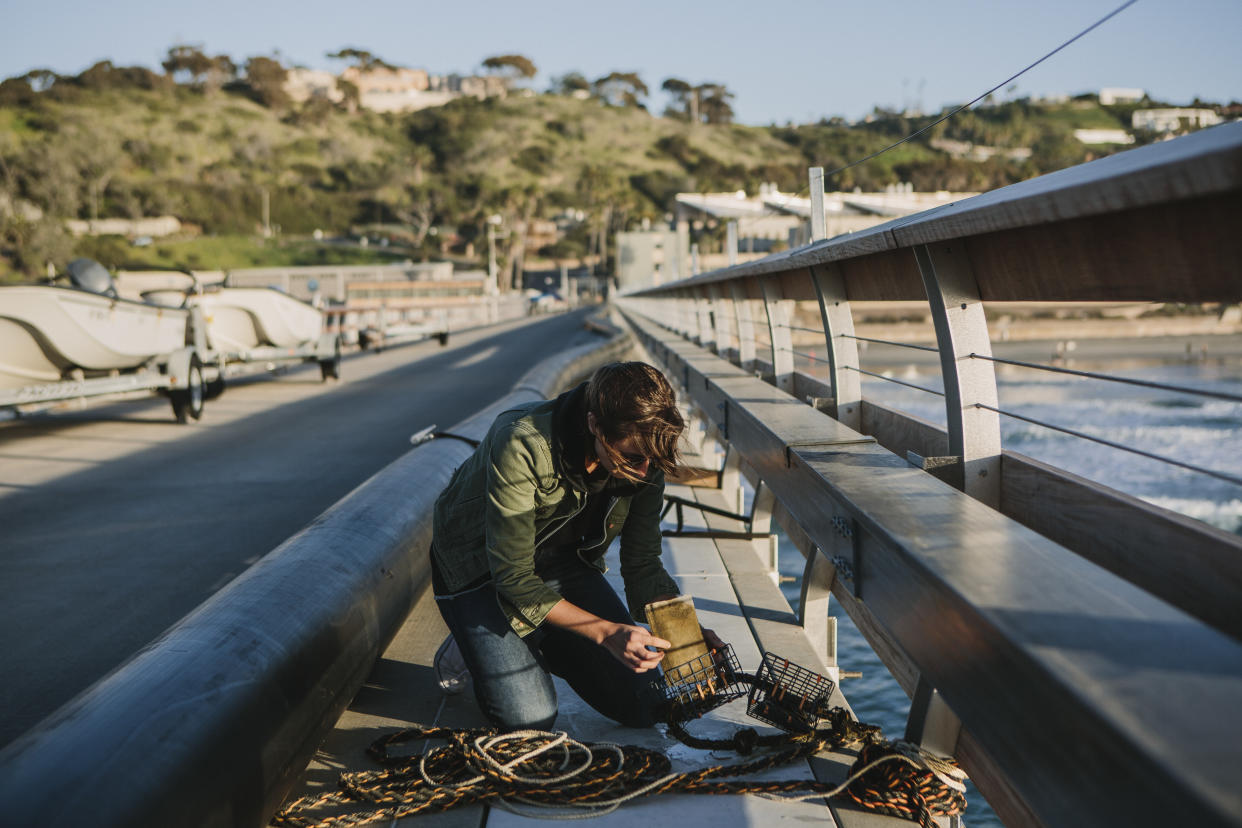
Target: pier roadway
pixel 115 522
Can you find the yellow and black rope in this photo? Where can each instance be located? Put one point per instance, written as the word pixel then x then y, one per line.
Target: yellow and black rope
pixel 548 770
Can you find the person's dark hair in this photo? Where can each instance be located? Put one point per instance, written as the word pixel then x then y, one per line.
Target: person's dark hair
pixel 633 399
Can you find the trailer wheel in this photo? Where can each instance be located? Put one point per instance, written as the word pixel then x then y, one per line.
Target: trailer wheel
pixel 331 368
pixel 215 388
pixel 187 402
pixel 443 337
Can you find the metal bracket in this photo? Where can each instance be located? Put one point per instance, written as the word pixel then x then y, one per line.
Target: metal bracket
pixel 673 502
pixel 724 420
pixel 826 405
pixel 931 724
pixel 843 552
pixel 949 468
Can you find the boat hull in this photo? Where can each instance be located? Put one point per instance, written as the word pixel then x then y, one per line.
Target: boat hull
pixel 242 318
pixel 46 331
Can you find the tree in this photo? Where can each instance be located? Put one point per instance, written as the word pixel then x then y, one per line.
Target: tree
pixel 32 244
pixel 40 80
pixel 188 62
pixel 361 58
pixel 267 81
pixel 569 83
pixel 515 66
pixel 621 89
pixel 714 103
pixel 685 96
pixel 351 97
pixel 707 102
pixel 16 92
pixel 221 71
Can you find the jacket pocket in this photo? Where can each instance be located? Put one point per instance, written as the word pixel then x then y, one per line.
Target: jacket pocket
pixel 464 524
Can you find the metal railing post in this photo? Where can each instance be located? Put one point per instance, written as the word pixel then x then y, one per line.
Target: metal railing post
pixel 818 224
pixel 962 329
pixel 745 327
pixel 761 509
pixel 820 628
pixel 707 330
pixel 731 478
pixel 780 312
pixel 834 310
pixel 723 314
pixel 687 316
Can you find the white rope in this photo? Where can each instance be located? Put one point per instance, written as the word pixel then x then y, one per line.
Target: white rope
pixel 943 769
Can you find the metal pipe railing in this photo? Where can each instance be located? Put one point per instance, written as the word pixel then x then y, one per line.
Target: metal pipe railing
pixel 213 722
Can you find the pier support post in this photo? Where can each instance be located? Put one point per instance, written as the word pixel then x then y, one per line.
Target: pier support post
pixel 745 327
pixel 820 628
pixel 962 330
pixel 707 330
pixel 779 312
pixel 723 315
pixel 838 319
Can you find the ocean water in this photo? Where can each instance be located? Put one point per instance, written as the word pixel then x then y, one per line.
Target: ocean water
pixel 1200 431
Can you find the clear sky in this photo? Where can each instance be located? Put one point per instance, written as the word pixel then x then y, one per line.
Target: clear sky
pixel 785 60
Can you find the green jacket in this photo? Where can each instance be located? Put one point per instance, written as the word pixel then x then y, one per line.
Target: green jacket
pixel 517 489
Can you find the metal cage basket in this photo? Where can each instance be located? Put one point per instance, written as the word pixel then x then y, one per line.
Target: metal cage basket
pixel 701 684
pixel 788 696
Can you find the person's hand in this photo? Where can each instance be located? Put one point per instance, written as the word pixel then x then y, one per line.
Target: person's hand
pixel 714 642
pixel 629 645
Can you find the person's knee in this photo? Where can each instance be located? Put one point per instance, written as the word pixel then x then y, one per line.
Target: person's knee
pixel 529 715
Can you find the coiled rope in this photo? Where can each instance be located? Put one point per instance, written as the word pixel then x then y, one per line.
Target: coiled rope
pixel 552 776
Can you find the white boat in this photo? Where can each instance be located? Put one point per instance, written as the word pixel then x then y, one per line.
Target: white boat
pixel 47 332
pixel 239 319
pixel 242 319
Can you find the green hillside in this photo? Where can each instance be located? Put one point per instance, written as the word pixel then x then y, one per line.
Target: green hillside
pixel 132 146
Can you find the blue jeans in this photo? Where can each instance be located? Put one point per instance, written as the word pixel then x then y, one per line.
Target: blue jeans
pixel 511 674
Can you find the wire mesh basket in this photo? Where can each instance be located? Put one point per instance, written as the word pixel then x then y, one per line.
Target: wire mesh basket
pixel 788 696
pixel 702 684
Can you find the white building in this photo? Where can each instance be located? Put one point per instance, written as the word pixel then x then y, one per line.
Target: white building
pixel 301 85
pixel 1115 95
pixel 773 217
pixel 1173 120
pixel 1103 136
pixel 392 89
pixel 651 257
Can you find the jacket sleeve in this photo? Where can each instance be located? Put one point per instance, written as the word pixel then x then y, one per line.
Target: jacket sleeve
pixel 510 526
pixel 641 543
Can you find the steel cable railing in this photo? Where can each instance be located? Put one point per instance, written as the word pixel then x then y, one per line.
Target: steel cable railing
pixel 1221 395
pixel 911 345
pixel 1237 481
pixel 811 357
pixel 894 380
pixel 1180 389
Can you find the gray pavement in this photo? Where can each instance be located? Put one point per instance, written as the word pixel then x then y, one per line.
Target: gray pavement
pixel 115 522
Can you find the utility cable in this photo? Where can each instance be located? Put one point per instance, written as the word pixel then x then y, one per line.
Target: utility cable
pixel 1010 79
pixel 768 210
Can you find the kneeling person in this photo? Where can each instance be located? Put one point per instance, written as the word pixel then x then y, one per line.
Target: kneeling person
pixel 519 538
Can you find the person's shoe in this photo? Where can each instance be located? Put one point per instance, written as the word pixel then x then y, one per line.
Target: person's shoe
pixel 451 670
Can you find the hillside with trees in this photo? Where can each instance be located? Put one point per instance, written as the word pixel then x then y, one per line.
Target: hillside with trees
pixel 210 141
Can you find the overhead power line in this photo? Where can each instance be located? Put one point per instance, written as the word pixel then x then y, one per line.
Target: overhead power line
pixel 1010 79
